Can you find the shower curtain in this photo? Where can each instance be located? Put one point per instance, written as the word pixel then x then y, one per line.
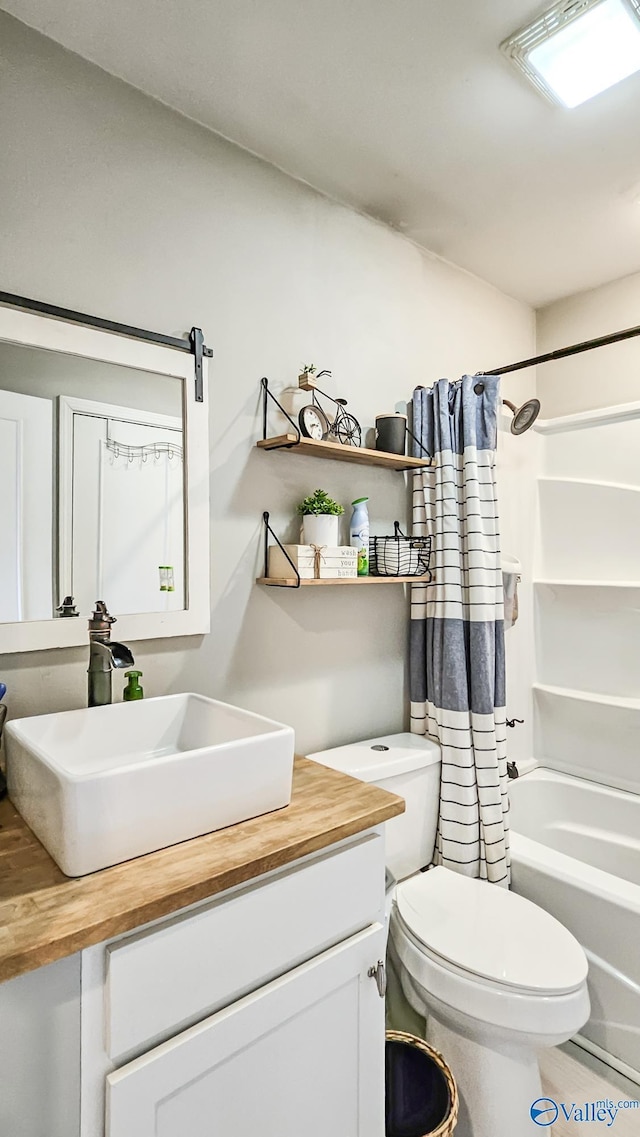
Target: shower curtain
pixel 457 668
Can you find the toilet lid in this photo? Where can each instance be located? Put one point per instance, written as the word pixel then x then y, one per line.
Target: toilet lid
pixel 491 932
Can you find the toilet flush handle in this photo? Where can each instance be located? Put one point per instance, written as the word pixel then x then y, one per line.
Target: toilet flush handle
pixel 379 974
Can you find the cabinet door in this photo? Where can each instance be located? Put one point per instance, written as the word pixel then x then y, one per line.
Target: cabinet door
pixel 302 1055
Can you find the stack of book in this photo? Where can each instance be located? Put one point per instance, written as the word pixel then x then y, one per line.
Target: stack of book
pixel 326 563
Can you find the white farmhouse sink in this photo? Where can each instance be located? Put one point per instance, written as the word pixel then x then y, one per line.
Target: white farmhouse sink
pixel 103 785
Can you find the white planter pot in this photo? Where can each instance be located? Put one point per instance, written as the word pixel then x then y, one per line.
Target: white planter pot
pixel 323 529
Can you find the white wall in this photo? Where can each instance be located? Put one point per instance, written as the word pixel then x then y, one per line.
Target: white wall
pixel 112 204
pixel 605 377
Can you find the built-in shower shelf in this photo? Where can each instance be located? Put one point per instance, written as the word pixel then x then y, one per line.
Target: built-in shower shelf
pixel 594 697
pixel 564 583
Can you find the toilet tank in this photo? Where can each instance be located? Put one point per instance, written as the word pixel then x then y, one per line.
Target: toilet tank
pixel 407 765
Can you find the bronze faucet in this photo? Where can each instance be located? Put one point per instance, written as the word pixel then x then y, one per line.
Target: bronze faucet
pixel 104 655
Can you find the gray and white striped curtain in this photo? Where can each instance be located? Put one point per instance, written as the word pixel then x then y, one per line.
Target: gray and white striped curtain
pixel 457 624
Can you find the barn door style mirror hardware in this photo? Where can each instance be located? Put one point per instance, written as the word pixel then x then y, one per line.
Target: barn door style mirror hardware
pixel 195 344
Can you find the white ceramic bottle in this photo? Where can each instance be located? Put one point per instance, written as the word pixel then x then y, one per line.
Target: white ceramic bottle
pixel 359 533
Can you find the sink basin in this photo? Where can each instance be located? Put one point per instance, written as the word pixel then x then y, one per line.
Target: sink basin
pixel 103 785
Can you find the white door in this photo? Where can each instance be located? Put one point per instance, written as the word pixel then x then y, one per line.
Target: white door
pixel 121 507
pixel 26 486
pixel 301 1057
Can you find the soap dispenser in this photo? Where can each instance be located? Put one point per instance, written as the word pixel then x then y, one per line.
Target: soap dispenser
pixel 133 690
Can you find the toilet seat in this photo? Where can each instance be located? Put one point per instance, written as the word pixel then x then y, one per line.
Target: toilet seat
pixel 462 997
pixel 490 935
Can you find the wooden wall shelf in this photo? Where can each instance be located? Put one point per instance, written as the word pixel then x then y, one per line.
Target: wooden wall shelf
pixel 358 454
pixel 289 582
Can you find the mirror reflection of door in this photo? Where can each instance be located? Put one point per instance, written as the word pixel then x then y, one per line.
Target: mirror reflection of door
pixel 121 507
pixel 26 477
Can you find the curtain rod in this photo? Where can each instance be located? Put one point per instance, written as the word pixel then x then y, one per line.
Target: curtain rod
pixel 563 352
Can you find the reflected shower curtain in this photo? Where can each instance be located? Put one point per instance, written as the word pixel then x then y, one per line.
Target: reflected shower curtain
pixel 457 663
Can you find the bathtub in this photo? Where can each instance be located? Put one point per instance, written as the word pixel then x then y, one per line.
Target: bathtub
pixel 576 852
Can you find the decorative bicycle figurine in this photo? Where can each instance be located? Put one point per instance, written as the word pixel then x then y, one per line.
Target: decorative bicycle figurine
pixel 313 420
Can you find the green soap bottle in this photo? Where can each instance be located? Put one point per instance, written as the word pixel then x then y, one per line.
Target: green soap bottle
pixel 133 690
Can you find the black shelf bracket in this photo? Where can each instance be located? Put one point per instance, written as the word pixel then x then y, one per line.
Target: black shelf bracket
pixel 425 452
pixel 268 530
pixel 266 395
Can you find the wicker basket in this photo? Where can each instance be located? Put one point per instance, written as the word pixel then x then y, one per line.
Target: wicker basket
pixel 446 1127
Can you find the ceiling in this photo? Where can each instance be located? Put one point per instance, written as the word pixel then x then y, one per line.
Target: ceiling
pixel 404 109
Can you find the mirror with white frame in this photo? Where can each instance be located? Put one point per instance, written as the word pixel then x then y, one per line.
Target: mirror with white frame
pixel 104 475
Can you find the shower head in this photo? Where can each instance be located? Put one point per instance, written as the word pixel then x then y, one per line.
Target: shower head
pixel 524 416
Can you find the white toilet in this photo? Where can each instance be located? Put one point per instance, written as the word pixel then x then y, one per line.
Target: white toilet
pixel 495 976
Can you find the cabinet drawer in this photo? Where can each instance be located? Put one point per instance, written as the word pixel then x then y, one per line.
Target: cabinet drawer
pixel 168 978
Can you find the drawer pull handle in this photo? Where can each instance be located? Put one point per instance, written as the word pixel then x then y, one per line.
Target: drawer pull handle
pixel 379 974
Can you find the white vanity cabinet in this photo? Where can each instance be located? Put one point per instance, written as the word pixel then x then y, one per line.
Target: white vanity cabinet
pixel 303 1054
pixel 254 1013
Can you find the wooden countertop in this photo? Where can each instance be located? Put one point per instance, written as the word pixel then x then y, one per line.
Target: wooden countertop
pixel 45 915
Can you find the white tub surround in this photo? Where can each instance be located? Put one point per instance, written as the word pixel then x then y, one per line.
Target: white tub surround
pixel 587 709
pixel 588 734
pixel 576 851
pixel 590 529
pixel 576 821
pixel 571 649
pixel 587 689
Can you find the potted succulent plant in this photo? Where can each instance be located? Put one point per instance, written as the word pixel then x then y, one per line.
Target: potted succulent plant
pixel 320 524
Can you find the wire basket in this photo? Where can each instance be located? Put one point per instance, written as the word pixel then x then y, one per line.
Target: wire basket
pixel 399 555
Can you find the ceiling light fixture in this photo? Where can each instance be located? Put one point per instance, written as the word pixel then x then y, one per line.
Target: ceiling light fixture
pixel 578 48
